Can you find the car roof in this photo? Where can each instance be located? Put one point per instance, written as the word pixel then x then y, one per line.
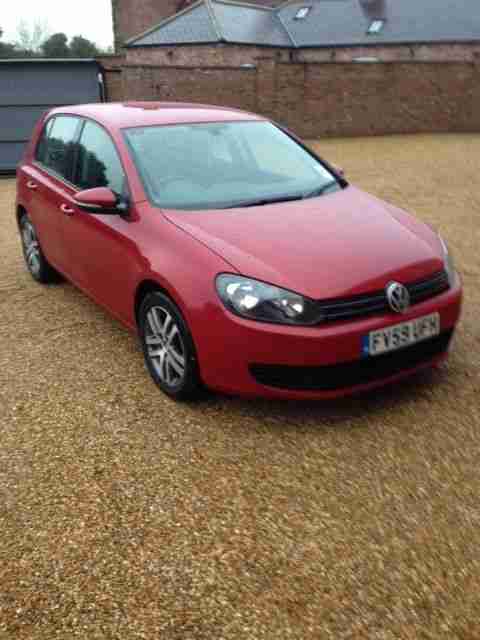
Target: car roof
pixel 137 114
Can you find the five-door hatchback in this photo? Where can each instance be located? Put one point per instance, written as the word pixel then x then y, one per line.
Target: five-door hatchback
pixel 246 263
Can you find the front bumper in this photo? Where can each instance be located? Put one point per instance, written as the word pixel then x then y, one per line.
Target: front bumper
pixel 244 357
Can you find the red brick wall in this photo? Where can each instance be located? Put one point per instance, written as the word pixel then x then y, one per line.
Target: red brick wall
pixel 392 53
pixel 112 69
pixel 232 87
pixel 114 85
pixel 236 55
pixel 221 55
pixel 323 99
pixel 362 99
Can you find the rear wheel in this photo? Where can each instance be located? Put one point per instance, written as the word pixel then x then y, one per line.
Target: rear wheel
pixel 168 348
pixel 39 267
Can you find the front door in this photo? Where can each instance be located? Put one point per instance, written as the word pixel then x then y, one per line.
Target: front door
pixel 99 246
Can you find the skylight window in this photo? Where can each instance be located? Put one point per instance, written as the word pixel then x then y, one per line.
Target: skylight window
pixel 376 27
pixel 302 13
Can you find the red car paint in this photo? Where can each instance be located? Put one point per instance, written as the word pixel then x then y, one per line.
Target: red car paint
pixel 336 245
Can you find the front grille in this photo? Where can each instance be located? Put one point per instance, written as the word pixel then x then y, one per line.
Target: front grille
pixel 376 303
pixel 353 373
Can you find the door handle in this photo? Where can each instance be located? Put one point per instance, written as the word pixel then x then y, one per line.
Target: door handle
pixel 32 185
pixel 68 211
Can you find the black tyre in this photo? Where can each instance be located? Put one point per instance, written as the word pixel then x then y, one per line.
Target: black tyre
pixel 168 348
pixel 37 264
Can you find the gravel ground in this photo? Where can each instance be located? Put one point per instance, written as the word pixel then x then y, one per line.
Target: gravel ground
pixel 124 515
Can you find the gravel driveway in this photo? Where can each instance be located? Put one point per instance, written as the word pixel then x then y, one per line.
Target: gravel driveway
pixel 124 515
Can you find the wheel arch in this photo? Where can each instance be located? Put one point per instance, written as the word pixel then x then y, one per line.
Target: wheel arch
pixel 149 286
pixel 19 213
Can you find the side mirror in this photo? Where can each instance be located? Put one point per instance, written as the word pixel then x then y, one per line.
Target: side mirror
pixel 99 200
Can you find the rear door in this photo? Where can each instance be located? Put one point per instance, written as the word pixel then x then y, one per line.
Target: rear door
pixel 48 181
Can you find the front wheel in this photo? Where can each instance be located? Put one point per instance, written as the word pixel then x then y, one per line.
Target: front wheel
pixel 168 348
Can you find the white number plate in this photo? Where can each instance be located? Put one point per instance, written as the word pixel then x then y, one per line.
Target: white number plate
pixel 401 335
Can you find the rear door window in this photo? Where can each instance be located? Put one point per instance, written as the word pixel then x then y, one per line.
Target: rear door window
pixel 57 148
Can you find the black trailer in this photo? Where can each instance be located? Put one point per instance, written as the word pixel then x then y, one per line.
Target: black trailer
pixel 29 87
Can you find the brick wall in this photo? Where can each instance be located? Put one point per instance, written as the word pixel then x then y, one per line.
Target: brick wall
pixel 392 53
pixel 112 70
pixel 322 99
pixel 363 99
pixel 232 87
pixel 202 55
pixel 235 55
pixel 114 84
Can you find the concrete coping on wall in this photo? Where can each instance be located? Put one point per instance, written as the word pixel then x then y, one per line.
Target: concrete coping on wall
pixel 217 67
pixel 254 68
pixel 374 60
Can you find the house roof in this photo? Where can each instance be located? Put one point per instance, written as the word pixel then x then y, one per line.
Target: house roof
pixel 327 23
pixel 249 24
pixel 346 22
pixel 210 21
pixel 192 25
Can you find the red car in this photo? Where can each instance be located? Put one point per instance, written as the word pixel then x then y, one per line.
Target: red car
pixel 246 263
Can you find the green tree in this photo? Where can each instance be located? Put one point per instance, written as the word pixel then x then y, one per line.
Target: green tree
pixel 82 48
pixel 56 46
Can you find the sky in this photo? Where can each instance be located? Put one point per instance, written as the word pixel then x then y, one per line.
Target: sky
pixel 91 19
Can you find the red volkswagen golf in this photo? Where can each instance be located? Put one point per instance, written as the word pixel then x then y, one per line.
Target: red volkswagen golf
pixel 246 263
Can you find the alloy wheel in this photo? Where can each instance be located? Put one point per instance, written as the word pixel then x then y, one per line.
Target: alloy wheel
pixel 31 248
pixel 165 347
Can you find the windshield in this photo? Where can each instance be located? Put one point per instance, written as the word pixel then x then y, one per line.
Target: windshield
pixel 224 165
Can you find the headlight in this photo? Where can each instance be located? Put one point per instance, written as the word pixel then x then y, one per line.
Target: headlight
pixel 260 301
pixel 448 261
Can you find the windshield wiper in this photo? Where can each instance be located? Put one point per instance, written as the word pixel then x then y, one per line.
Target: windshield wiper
pixel 259 202
pixel 320 190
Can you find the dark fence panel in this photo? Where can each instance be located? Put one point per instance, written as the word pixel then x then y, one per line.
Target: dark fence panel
pixel 31 87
